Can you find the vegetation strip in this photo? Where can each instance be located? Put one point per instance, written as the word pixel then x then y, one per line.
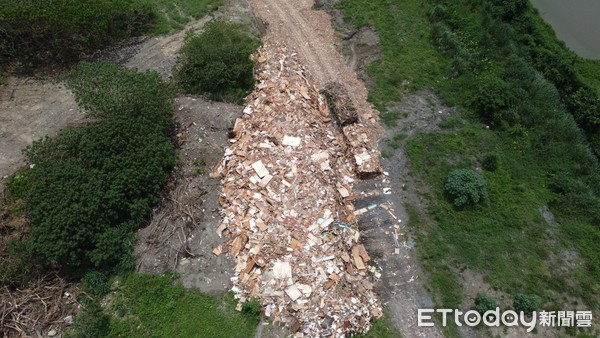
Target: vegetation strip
pixel 502 66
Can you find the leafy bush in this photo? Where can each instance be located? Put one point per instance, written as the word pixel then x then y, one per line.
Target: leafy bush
pixel 104 89
pixel 508 9
pixel 95 284
pixel 91 322
pixel 526 303
pixel 39 32
pixel 484 302
pixel 490 162
pixel 218 62
pixel 465 186
pixel 493 98
pixel 91 187
pixel 252 308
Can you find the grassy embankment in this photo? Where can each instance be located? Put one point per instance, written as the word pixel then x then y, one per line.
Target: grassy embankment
pixel 493 62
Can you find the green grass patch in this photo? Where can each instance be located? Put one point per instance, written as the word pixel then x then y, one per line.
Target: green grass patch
pixel 152 306
pixel 381 328
pixel 390 118
pixel 505 231
pixel 408 60
pixel 175 14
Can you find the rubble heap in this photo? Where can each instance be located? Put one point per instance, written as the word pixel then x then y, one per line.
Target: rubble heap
pixel 339 103
pixel 288 218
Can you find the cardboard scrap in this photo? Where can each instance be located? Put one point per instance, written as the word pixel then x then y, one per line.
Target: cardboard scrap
pixel 260 169
pixel 291 141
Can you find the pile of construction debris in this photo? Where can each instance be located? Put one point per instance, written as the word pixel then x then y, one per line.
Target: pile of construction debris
pixel 288 217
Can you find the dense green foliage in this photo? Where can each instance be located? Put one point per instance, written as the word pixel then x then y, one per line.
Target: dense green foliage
pixel 251 308
pixel 58 32
pixel 476 56
pixel 91 187
pixel 484 302
pixel 40 32
pixel 465 186
pixel 151 306
pixel 104 90
pixel 550 56
pixel 218 62
pixel 526 303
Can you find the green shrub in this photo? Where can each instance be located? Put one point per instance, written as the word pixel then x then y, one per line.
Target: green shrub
pixel 490 162
pixel 43 32
pixel 91 187
pixel 252 308
pixel 465 186
pixel 217 62
pixel 104 89
pixel 17 186
pixel 493 98
pixel 484 302
pixel 95 284
pixel 526 303
pixel 92 322
pixel 444 39
pixel 508 9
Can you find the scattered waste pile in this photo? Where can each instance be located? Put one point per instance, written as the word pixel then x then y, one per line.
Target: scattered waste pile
pixel 339 103
pixel 288 218
pixel 345 116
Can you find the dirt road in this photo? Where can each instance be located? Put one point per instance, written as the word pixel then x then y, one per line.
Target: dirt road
pixel 310 34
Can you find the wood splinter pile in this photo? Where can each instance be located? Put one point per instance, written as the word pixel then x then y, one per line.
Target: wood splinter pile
pixel 288 219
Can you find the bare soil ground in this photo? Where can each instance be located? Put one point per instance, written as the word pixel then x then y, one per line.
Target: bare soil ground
pixel 182 233
pixel 31 109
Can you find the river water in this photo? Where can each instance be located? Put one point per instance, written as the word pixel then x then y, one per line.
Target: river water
pixel 576 22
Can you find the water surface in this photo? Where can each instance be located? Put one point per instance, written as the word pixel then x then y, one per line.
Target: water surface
pixel 576 22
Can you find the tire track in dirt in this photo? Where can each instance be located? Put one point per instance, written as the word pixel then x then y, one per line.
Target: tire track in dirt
pixel 307 49
pixel 309 33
